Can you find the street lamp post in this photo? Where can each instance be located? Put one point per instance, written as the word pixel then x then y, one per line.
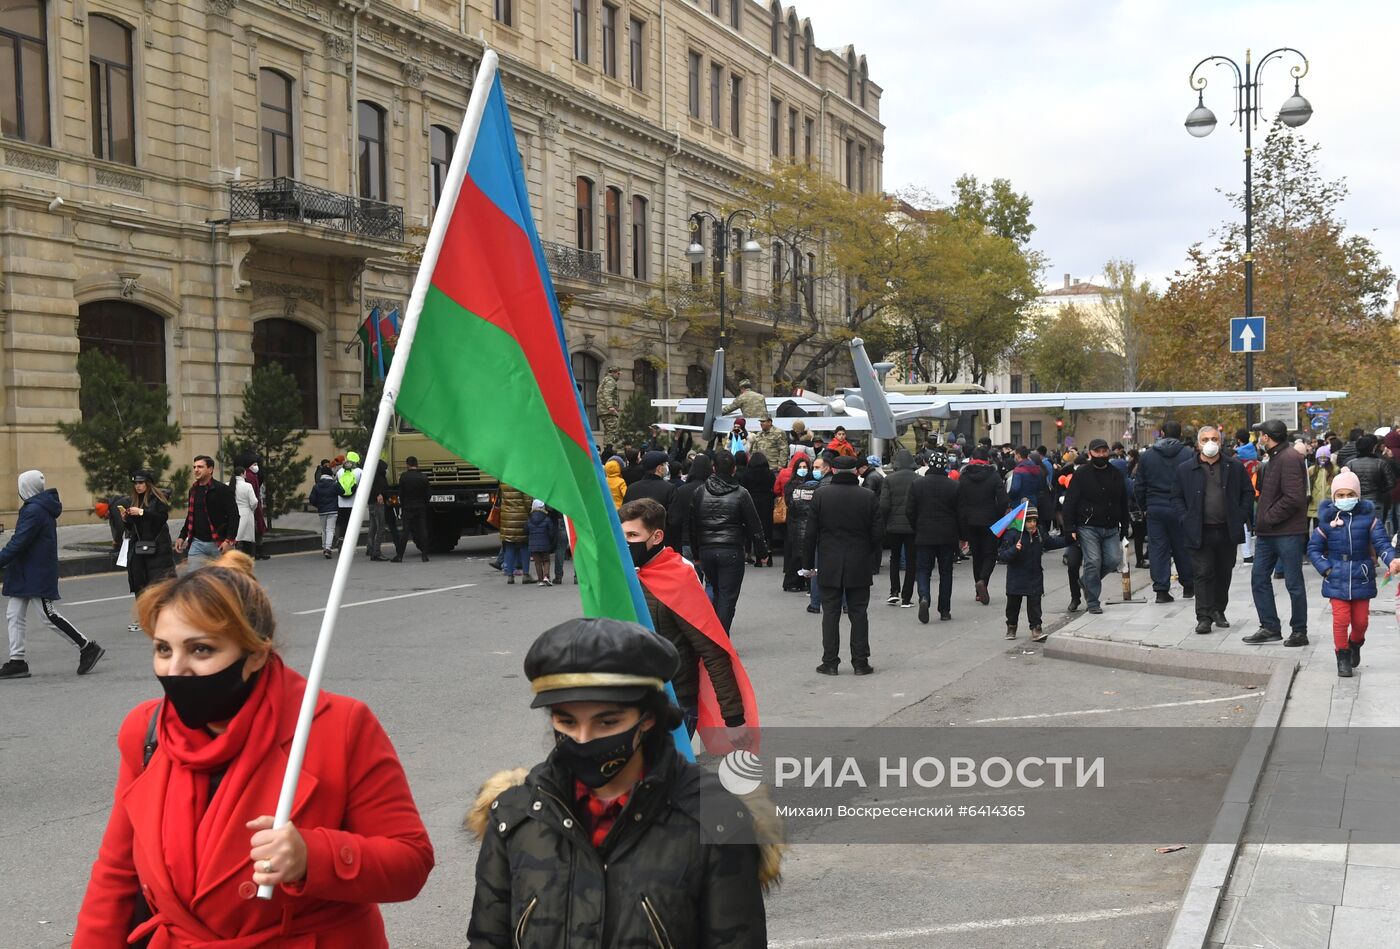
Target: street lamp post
pixel 695 253
pixel 1201 122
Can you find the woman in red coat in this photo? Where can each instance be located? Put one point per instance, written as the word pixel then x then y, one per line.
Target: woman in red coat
pixel 190 836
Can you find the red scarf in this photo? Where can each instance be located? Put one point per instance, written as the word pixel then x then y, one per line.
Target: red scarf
pixel 190 826
pixel 671 579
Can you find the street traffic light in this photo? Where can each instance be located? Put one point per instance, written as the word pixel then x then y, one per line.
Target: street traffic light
pixel 1059 423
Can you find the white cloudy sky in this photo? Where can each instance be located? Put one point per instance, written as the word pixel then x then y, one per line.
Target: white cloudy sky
pixel 1081 105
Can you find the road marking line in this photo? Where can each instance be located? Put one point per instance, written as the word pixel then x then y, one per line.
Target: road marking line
pixel 1105 711
pixel 105 599
pixel 386 599
pixel 978 925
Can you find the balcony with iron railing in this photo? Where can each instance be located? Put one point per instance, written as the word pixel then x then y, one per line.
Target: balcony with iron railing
pixel 292 215
pixel 572 266
pixel 754 309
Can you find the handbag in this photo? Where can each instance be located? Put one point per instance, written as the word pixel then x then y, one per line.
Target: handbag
pixel 493 517
pixel 144 547
pixel 780 510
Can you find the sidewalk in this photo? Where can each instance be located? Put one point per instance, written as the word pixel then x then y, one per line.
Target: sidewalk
pixel 1318 867
pixel 87 548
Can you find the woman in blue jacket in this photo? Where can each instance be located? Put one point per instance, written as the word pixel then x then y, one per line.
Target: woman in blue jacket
pixel 1343 548
pixel 30 562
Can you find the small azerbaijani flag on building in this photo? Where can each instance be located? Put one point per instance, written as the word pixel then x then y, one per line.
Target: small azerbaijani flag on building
pixel 488 374
pixel 1015 519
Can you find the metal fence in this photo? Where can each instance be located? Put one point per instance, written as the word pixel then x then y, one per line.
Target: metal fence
pixel 286 199
pixel 571 263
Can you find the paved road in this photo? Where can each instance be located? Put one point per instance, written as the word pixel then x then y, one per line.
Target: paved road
pixel 435 649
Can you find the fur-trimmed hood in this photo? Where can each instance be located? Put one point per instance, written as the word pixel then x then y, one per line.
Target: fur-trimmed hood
pixel 767 825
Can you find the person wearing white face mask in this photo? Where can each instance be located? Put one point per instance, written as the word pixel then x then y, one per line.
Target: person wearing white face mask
pixel 1211 499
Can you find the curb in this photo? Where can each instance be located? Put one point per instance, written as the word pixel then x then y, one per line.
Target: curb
pixel 86 565
pixel 1195 916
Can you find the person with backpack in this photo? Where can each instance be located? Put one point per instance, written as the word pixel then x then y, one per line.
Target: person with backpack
pixel 347 479
pixel 190 839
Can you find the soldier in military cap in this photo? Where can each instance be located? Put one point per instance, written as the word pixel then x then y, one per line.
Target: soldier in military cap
pixel 770 441
pixel 609 408
pixel 750 404
pixel 652 847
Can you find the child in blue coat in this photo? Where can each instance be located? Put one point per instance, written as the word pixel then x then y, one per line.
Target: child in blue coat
pixel 1021 551
pixel 1343 548
pixel 541 536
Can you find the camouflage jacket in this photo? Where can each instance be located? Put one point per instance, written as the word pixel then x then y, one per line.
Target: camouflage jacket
pixel 750 405
pixel 774 445
pixel 607 397
pixel 679 868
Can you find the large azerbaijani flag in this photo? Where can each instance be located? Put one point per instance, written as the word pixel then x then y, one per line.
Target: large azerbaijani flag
pixel 488 376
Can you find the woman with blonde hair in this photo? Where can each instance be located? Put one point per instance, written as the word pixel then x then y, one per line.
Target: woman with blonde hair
pixel 190 836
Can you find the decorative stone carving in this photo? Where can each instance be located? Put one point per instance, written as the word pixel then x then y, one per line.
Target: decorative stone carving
pixel 289 308
pixel 412 74
pixel 28 162
pixel 115 179
pixel 130 284
pixel 291 291
pixel 221 7
pixel 337 46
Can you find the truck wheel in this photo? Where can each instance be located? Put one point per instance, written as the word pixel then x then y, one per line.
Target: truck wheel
pixel 443 534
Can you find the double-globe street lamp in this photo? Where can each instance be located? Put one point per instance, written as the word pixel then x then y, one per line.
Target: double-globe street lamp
pixel 724 227
pixel 1201 122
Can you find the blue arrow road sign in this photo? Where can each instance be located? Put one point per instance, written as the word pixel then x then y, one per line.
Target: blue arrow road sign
pixel 1247 334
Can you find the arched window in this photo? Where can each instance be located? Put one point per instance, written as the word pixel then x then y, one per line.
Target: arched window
pixel 645 378
pixel 850 75
pixel 293 347
pixel 132 335
pixel 24 71
pixel 864 80
pixel 112 92
pixel 586 374
pixel 442 141
pixel 792 39
pixel 697 381
pixel 373 157
pixel 641 239
pixel 583 217
pixel 775 43
pixel 807 50
pixel 276 139
pixel 612 229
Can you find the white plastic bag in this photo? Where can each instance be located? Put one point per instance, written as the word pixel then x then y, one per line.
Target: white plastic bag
pixel 126 548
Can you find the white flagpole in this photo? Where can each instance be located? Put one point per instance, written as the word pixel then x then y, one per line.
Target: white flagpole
pixel 456 174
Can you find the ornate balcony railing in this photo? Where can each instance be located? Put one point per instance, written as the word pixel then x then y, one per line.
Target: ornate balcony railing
pixel 571 263
pixel 286 199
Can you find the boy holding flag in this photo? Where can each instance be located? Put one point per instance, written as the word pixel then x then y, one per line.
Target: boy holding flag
pixel 1022 547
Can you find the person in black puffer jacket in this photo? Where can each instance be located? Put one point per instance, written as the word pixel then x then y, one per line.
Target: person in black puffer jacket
pixel 615 841
pixel 797 495
pixel 899 532
pixel 1166 536
pixel 722 519
pixel 932 510
pixel 678 511
pixel 757 477
pixel 1375 473
pixel 981 503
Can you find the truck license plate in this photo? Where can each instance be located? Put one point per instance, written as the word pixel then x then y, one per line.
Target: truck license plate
pixel 441 499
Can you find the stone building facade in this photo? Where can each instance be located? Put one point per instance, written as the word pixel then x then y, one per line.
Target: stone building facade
pixel 205 186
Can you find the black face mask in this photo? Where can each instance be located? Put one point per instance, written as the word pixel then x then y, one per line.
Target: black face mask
pixel 1099 462
pixel 641 553
pixel 595 763
pixel 216 697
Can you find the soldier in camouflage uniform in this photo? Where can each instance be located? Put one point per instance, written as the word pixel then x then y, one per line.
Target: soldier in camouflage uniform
pixel 773 442
pixel 750 404
pixel 609 408
pixel 615 841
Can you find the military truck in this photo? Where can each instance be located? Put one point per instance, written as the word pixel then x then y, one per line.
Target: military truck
pixel 971 424
pixel 461 493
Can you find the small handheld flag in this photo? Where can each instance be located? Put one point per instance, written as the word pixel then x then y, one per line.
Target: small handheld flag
pixel 1014 519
